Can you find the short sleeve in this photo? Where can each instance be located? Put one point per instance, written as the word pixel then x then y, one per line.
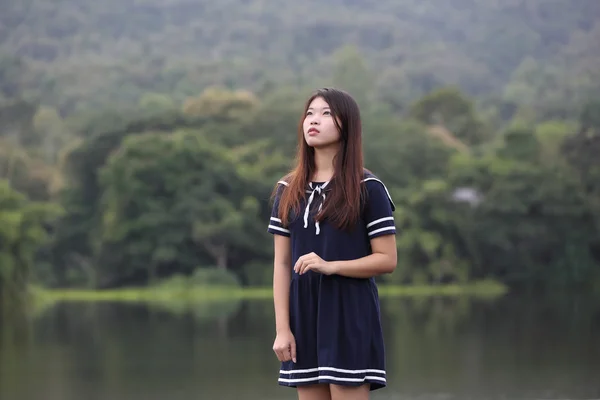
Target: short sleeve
pixel 275 227
pixel 379 209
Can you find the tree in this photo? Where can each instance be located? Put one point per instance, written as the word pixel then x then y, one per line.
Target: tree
pixel 22 232
pixel 449 108
pixel 169 196
pixel 351 74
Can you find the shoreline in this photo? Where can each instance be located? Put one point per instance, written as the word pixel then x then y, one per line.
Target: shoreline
pixel 168 293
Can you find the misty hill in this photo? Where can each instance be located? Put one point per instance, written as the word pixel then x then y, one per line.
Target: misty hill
pixel 77 53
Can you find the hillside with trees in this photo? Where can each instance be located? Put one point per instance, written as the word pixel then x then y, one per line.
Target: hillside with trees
pixel 76 54
pixel 141 140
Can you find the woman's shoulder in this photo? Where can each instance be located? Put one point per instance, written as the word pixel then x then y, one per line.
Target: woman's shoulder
pixel 280 185
pixel 376 187
pixel 369 176
pixel 370 180
pixel 285 180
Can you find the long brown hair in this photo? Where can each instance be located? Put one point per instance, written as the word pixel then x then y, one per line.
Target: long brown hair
pixel 343 205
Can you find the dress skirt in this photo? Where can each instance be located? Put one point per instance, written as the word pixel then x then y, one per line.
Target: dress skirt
pixel 336 323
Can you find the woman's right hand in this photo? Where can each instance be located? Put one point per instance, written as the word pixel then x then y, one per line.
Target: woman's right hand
pixel 285 346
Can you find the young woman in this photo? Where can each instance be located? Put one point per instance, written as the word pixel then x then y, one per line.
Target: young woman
pixel 333 232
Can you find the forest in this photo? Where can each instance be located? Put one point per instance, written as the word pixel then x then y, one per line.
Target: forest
pixel 140 141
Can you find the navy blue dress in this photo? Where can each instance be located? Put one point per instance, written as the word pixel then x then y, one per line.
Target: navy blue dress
pixel 335 319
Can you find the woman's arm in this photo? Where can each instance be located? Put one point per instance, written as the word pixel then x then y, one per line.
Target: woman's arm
pixel 282 270
pixel 383 260
pixel 381 230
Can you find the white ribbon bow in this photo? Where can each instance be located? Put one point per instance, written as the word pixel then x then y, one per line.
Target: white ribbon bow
pixel 319 190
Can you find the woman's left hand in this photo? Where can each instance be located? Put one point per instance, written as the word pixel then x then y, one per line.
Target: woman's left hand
pixel 312 262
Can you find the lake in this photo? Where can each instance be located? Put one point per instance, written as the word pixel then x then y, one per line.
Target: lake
pixel 515 347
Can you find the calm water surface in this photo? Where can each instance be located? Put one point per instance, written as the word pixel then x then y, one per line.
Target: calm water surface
pixel 517 347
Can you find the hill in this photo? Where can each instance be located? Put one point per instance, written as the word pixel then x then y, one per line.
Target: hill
pixel 77 54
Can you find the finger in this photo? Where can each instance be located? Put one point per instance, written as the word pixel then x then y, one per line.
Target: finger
pixel 283 354
pixel 301 265
pixel 293 350
pixel 298 263
pixel 302 259
pixel 313 259
pixel 304 266
pixel 286 355
pixel 307 266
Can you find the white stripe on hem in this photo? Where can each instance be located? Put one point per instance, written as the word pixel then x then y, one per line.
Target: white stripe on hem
pixel 388 228
pixel 377 221
pixel 333 378
pixel 343 371
pixel 278 228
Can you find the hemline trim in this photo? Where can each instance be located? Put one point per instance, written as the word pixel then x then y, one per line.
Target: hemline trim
pixel 343 371
pixel 333 378
pixel 332 374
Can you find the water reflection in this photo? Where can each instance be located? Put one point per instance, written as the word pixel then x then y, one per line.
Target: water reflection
pixel 518 347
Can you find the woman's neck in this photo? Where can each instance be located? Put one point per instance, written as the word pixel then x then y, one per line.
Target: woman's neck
pixel 324 164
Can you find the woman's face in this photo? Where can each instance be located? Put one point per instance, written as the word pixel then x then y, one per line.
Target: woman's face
pixel 319 126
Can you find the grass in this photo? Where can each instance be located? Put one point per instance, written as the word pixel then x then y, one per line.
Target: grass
pixel 184 293
pixel 485 288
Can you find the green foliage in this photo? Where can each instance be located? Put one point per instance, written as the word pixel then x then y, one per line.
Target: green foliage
pixel 449 108
pixel 172 193
pixel 22 232
pixel 161 133
pixel 166 193
pixel 78 55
